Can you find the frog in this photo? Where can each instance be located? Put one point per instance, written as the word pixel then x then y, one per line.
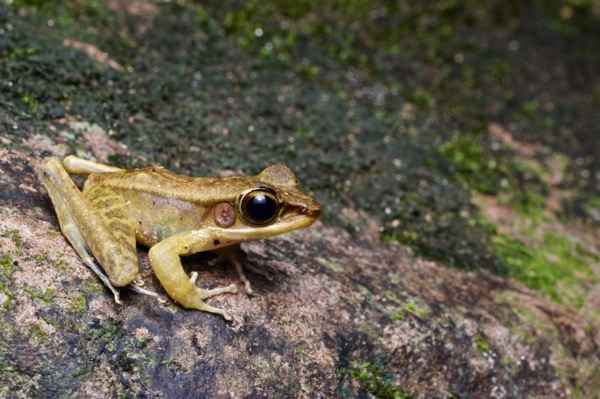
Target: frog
pixel 174 215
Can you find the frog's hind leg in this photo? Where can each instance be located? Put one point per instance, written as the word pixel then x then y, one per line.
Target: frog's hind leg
pixel 237 257
pixel 88 231
pixel 71 231
pixel 83 167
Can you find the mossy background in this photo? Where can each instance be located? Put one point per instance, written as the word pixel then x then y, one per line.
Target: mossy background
pixel 380 107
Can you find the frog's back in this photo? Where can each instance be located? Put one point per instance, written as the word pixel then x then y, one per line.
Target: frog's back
pixel 154 179
pixel 149 199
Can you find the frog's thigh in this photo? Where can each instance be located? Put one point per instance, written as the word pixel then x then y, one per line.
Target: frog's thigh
pixel 166 262
pixel 119 254
pixel 85 228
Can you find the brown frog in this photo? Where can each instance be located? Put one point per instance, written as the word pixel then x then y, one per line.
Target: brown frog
pixel 173 215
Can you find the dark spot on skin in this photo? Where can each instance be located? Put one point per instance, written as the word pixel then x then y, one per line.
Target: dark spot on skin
pixel 216 242
pixel 140 222
pixel 153 169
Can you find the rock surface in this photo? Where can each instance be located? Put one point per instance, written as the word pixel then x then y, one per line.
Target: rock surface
pixel 343 317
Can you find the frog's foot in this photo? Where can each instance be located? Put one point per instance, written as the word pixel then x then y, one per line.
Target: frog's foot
pixel 239 268
pixel 261 272
pixel 88 260
pixel 230 289
pixel 137 286
pixel 237 258
pixel 203 294
pixel 211 309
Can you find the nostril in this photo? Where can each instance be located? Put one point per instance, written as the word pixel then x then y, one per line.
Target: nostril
pixel 316 211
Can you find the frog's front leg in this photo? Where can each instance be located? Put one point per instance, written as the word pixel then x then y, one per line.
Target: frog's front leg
pixel 166 262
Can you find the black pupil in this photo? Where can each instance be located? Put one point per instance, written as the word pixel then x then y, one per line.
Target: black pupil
pixel 261 208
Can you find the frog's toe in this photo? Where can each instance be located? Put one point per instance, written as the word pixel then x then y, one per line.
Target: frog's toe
pixel 260 271
pixel 248 288
pixel 227 316
pixel 141 290
pixel 117 297
pixel 230 289
pixel 194 277
pixel 207 308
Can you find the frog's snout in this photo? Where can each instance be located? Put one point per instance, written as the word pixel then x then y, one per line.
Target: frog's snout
pixel 312 210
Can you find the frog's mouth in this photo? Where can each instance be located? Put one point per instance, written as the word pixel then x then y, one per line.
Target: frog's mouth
pixel 308 211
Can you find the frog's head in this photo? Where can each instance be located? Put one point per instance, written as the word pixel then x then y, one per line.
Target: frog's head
pixel 279 199
pixel 271 205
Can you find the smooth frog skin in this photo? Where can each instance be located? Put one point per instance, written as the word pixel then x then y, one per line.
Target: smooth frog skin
pixel 175 216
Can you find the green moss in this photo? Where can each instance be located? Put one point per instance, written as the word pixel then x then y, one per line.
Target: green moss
pixel 336 267
pixel 127 364
pixel 63 266
pixel 92 285
pixel 420 97
pixel 56 323
pixel 111 347
pixel 10 295
pixel 6 367
pixel 399 315
pixel 555 267
pixel 109 329
pixel 476 167
pixel 29 3
pixel 372 380
pixel 32 103
pixel 7 265
pixel 409 238
pixel 36 293
pixel 419 308
pixel 37 332
pixel 593 202
pixel 14 236
pixel 592 207
pixel 480 343
pixel 78 304
pixel 527 189
pixel 151 361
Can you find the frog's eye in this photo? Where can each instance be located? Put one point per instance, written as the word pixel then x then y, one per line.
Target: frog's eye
pixel 259 206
